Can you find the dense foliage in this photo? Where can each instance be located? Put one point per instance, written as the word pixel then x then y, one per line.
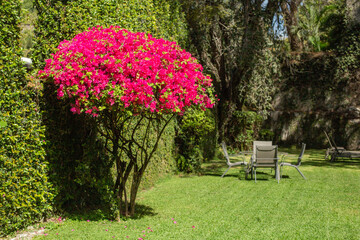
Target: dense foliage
pixel 106 67
pixel 113 74
pixel 196 129
pixel 24 190
pixel 79 165
pixel 232 40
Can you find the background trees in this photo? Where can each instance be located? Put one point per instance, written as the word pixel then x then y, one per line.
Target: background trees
pixel 233 42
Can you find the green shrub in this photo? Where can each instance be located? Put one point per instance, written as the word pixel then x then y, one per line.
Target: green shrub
pixel 195 135
pixel 24 190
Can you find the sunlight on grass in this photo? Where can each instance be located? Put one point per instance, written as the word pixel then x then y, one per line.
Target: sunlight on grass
pixel 326 206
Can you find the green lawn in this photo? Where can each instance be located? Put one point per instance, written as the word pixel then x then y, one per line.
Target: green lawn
pixel 325 206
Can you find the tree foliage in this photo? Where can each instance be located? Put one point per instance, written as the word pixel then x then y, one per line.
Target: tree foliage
pixel 130 82
pixel 231 39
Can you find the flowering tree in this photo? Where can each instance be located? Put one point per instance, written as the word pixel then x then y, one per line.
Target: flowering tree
pixel 133 84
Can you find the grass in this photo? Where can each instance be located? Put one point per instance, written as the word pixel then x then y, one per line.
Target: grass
pixel 325 206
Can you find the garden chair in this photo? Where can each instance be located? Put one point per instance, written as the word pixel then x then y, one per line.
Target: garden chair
pixel 338 152
pixel 253 156
pixel 228 162
pixel 266 157
pixel 295 165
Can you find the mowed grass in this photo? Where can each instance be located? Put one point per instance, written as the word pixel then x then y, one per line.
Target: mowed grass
pixel 325 206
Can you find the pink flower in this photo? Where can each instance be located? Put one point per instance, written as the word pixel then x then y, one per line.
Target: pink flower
pixel 160 78
pixel 88 220
pixel 193 226
pixel 106 230
pixel 175 222
pixel 72 230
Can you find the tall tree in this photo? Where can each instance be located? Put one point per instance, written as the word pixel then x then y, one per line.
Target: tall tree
pixel 231 37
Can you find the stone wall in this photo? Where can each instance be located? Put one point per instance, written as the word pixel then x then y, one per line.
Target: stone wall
pixel 312 99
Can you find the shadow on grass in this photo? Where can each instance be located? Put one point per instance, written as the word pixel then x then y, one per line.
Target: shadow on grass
pixel 341 163
pixel 143 211
pixel 216 168
pixel 316 158
pixel 100 215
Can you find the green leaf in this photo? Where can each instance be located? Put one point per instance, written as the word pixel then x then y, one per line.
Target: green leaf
pixel 3 124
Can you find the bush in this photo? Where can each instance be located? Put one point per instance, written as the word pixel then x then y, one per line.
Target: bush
pixel 24 190
pixel 194 136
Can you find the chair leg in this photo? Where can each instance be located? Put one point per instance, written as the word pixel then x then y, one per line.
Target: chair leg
pixel 225 171
pixel 300 173
pixel 255 173
pixel 333 157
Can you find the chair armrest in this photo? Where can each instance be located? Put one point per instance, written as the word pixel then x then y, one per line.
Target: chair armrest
pixel 242 157
pixel 289 157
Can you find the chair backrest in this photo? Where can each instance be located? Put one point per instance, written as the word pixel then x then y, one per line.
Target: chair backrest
pixel 331 141
pixel 223 145
pixel 266 154
pixel 260 143
pixel 303 146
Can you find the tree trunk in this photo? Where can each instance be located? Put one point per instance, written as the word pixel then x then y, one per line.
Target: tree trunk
pixel 289 10
pixel 134 190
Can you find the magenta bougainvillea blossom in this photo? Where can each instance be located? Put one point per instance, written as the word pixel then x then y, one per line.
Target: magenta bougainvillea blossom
pixel 106 67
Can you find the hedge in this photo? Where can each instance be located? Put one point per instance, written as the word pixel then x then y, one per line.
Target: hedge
pixel 24 189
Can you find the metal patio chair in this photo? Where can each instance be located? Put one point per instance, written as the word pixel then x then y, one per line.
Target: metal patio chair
pixel 295 165
pixel 228 162
pixel 253 156
pixel 338 152
pixel 266 157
